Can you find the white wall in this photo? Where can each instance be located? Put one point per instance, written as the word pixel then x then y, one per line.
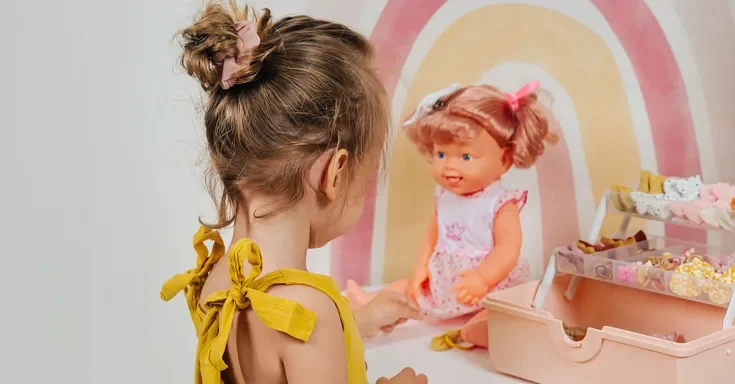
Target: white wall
pixel 100 191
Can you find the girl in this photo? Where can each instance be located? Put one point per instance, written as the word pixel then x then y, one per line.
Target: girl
pixel 296 120
pixel 473 136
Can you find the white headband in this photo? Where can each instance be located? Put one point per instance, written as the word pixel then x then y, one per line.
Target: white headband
pixel 429 101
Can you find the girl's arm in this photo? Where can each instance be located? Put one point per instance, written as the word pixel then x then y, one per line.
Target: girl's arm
pixel 322 359
pixel 508 240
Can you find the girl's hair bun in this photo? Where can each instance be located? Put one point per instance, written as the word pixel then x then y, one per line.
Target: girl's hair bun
pixel 214 31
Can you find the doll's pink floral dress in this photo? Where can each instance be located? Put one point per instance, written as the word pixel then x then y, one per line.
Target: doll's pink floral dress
pixel 465 241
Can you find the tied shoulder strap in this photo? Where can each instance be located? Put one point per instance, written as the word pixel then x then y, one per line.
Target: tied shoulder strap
pixel 213 330
pixel 192 280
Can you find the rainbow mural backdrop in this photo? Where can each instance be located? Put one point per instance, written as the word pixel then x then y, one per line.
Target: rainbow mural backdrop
pixel 635 84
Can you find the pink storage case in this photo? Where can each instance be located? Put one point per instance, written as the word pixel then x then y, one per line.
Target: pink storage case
pixel 530 343
pixel 526 338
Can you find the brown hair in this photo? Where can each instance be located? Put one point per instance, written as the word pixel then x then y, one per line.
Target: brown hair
pixel 309 88
pixel 525 131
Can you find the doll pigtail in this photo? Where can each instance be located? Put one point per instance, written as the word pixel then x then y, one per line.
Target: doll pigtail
pixel 532 130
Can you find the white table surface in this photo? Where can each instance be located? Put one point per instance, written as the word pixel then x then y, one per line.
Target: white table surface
pixel 409 346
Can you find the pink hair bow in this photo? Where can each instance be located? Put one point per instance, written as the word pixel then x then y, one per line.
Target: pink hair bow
pixel 523 92
pixel 627 274
pixel 247 40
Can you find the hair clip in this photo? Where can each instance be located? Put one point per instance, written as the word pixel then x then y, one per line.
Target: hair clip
pixel 697 267
pixel 432 101
pixel 685 285
pixel 689 253
pixel 658 282
pixel 643 275
pixel 721 262
pixel 657 260
pixel 671 336
pixel 728 275
pixel 574 255
pixel 650 277
pixel 627 274
pixel 671 263
pixel 575 333
pixel 718 293
pixel 604 271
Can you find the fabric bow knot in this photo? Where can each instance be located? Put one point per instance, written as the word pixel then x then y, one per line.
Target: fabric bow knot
pixel 179 283
pixel 523 92
pixel 194 278
pixel 214 315
pixel 247 40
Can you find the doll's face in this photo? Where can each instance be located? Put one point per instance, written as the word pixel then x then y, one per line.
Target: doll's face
pixel 466 167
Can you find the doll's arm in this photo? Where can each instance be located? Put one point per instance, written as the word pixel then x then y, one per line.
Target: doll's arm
pixel 508 239
pixel 418 283
pixel 429 242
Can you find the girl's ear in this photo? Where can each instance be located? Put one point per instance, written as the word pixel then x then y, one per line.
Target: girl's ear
pixel 334 175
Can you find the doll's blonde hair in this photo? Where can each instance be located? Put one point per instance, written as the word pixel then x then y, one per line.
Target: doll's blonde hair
pixel 524 131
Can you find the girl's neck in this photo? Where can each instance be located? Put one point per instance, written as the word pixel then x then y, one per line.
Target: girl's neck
pixel 283 239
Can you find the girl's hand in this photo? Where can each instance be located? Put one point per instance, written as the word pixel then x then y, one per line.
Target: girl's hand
pixel 472 288
pixel 384 312
pixel 419 283
pixel 406 376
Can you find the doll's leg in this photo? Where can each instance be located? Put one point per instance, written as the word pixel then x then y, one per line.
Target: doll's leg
pixel 358 297
pixel 475 331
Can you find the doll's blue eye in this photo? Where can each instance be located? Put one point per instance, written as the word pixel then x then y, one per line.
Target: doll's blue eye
pixel 440 155
pixel 466 157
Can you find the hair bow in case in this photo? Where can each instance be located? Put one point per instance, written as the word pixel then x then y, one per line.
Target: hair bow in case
pixel 430 101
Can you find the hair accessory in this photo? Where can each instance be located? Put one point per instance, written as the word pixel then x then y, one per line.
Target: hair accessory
pixel 651 277
pixel 575 333
pixel 604 271
pixel 627 274
pixel 671 336
pixel 574 255
pixel 685 285
pixel 722 263
pixel 247 40
pixel 432 101
pixel 718 293
pixel 643 274
pixel 523 92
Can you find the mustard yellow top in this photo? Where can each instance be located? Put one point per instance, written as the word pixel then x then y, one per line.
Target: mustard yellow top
pixel 213 319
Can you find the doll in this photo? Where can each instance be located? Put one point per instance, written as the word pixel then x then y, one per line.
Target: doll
pixel 472 135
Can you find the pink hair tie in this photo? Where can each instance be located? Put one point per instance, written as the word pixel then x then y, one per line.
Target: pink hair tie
pixel 523 92
pixel 247 40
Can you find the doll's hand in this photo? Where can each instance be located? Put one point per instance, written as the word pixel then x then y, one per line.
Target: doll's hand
pixel 419 283
pixel 384 312
pixel 472 288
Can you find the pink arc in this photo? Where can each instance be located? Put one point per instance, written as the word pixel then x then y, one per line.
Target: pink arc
pixel 655 67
